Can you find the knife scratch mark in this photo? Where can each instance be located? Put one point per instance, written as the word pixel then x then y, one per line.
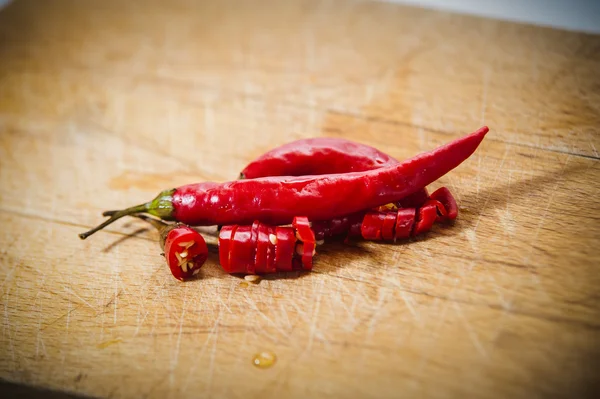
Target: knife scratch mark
pixel 376 315
pixel 313 324
pixel 203 349
pixel 7 326
pixel 498 171
pixel 486 83
pixel 175 359
pixel 470 331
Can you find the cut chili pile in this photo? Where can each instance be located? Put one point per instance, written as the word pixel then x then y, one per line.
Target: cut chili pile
pixel 296 196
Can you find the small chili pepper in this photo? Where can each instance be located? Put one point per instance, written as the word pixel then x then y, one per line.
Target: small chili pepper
pixel 317 156
pixel 184 248
pixel 271 249
pixel 277 200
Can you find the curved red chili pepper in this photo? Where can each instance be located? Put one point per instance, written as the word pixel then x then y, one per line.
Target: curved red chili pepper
pixel 276 200
pixel 317 156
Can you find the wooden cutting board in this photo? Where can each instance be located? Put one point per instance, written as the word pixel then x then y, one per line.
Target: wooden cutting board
pixel 103 104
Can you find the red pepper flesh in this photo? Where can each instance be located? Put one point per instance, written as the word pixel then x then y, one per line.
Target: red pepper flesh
pixel 285 247
pixel 262 246
pixel 427 216
pixel 404 222
pixel 185 251
pixel 444 196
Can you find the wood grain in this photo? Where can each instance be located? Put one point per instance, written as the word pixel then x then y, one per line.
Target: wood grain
pixel 103 104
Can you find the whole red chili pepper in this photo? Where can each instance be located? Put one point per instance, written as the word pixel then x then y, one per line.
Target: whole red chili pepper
pixel 317 156
pixel 184 248
pixel 277 200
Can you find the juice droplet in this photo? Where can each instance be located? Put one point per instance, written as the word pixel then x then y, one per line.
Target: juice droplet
pixel 264 360
pixel 244 284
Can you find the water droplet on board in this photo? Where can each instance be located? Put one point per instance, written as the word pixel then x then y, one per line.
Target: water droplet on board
pixel 264 360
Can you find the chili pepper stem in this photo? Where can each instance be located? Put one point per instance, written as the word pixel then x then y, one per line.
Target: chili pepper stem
pixel 161 206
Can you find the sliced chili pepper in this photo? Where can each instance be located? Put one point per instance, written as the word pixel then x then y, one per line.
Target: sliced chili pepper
pixel 242 251
pixel 184 248
pixel 285 247
pixel 442 213
pixel 389 223
pixel 444 196
pixel 405 219
pixel 276 200
pixel 262 247
pixel 372 225
pixel 307 236
pixel 186 251
pixel 271 250
pixel 427 216
pixel 225 238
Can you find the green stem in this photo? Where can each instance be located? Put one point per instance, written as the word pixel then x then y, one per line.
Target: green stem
pixel 161 206
pixel 116 216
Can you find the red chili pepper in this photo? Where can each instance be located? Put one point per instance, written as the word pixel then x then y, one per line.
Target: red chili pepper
pixel 426 217
pixel 305 234
pixel 270 250
pixel 317 156
pixel 285 245
pixel 444 196
pixel 186 251
pixel 276 200
pixel 324 155
pixel 184 248
pixel 385 224
pixel 405 220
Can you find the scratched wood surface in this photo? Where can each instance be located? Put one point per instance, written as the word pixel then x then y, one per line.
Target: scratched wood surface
pixel 103 104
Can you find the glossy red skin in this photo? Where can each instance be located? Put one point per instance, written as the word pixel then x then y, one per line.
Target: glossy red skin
pixel 242 251
pixel 444 196
pixel 427 216
pixel 277 200
pixel 197 253
pixel 405 220
pixel 262 247
pixel 317 156
pixel 372 225
pixel 286 242
pixel 307 236
pixel 248 249
pixel 225 238
pixel 271 252
pixel 389 224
